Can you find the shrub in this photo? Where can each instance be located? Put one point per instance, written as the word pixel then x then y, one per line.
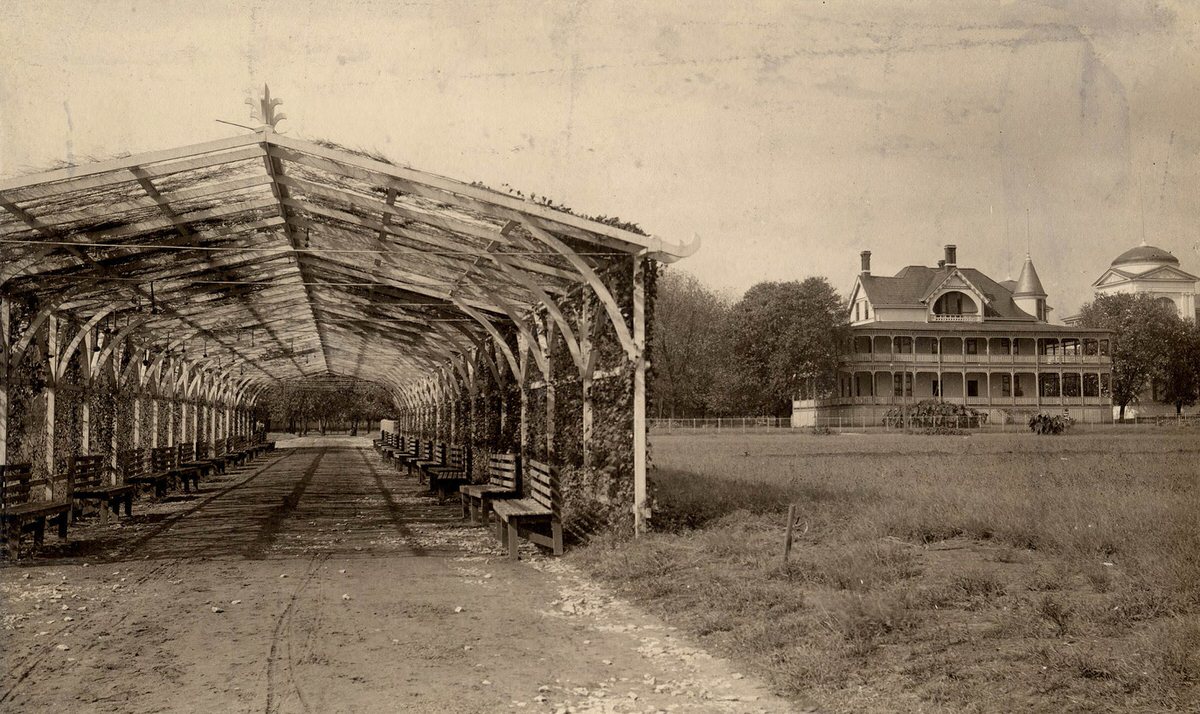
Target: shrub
pixel 934 414
pixel 1047 424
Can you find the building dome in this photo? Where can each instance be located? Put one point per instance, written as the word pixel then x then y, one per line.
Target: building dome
pixel 1145 254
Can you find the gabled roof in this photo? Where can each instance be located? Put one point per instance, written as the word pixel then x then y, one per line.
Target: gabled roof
pixel 1161 272
pixel 911 286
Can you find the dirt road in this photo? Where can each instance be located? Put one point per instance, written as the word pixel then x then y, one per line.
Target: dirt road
pixel 316 580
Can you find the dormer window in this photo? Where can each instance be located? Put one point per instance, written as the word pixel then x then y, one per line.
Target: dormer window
pixel 955 303
pixel 955 306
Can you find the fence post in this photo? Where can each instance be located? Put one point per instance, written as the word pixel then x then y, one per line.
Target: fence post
pixel 787 539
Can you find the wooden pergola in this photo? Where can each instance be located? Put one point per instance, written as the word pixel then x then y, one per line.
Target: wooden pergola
pixel 232 265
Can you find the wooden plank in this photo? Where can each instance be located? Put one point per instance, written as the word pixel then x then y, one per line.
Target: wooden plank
pixel 105 173
pixel 452 190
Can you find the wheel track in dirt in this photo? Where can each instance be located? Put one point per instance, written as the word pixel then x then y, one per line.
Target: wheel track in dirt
pixel 281 639
pixel 28 663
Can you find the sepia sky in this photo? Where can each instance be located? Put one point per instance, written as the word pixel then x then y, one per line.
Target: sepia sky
pixel 787 135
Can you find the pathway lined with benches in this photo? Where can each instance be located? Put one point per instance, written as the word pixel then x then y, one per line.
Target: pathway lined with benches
pixel 318 580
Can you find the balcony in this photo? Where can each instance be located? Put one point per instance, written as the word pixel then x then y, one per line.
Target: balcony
pixel 934 317
pixel 955 358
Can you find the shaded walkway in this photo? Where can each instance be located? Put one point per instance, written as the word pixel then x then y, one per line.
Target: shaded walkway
pixel 318 581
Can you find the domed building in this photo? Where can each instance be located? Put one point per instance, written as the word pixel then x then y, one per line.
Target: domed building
pixel 1148 269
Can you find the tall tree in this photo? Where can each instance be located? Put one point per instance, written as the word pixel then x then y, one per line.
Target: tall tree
pixel 1180 376
pixel 1144 331
pixel 688 319
pixel 781 340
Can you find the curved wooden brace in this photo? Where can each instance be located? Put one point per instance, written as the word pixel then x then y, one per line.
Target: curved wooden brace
pixel 480 351
pixel 518 321
pixel 109 350
pixel 497 338
pixel 551 306
pixel 73 345
pixel 602 292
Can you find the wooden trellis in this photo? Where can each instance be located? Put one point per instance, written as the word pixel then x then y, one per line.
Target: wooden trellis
pixel 204 274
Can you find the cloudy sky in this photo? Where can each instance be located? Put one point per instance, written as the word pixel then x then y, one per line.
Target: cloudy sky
pixel 787 135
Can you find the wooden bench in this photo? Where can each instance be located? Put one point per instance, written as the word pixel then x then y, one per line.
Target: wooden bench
pixel 388 444
pixel 214 456
pixel 164 461
pixel 88 484
pixel 535 518
pixel 407 448
pixel 233 452
pixel 189 469
pixel 435 456
pixel 21 512
pixel 504 482
pixel 135 471
pixel 194 457
pixel 418 450
pixel 456 471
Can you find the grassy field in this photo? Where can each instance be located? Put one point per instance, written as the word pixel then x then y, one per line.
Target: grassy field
pixel 989 573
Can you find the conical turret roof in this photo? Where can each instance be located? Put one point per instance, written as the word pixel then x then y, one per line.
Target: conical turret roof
pixel 1029 284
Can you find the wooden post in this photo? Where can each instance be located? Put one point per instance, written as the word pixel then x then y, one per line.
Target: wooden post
pixel 154 409
pixel 52 356
pixel 522 346
pixel 85 410
pixel 585 378
pixel 544 341
pixel 5 348
pixel 641 511
pixel 787 538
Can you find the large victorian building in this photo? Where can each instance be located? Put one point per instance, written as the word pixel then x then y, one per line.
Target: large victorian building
pixel 952 333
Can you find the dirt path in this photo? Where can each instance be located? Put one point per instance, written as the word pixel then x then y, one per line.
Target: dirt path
pixel 318 581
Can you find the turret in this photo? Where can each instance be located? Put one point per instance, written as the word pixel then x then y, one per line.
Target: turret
pixel 1029 295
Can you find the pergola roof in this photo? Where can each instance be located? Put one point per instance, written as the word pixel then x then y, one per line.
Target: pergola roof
pixel 294 259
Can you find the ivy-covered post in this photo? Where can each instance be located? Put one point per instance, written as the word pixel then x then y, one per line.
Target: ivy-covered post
pixel 586 367
pixel 51 383
pixel 523 347
pixel 640 508
pixel 154 418
pixel 545 340
pixel 85 396
pixel 5 347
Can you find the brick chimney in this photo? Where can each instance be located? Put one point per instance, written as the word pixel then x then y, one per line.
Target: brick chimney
pixel 866 262
pixel 951 255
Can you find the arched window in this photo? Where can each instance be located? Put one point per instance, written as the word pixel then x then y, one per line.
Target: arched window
pixel 955 303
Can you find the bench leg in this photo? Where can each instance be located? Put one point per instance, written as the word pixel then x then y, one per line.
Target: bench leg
pixel 512 541
pixel 129 504
pixel 39 531
pixel 12 540
pixel 62 526
pixel 500 530
pixel 465 502
pixel 482 513
pixel 103 506
pixel 556 533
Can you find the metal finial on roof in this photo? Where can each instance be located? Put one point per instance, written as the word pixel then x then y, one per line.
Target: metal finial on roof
pixel 265 112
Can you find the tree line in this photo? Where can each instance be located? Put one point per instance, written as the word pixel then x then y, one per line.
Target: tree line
pixel 715 356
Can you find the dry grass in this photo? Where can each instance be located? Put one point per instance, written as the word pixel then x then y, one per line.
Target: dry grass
pixel 990 573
